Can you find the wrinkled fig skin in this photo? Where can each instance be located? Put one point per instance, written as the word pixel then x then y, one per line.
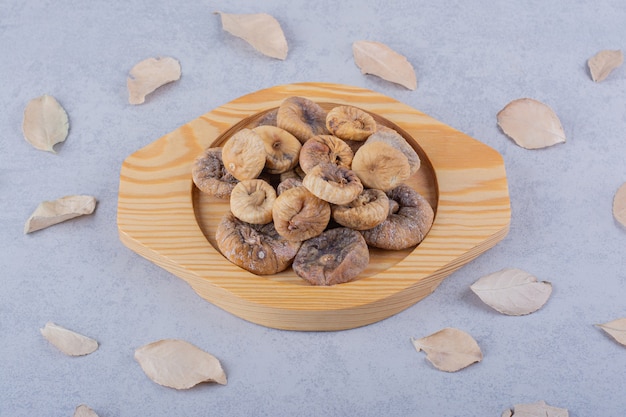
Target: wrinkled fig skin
pixel 210 176
pixel 269 119
pixel 368 210
pixel 255 248
pixel 325 148
pixel 405 228
pixel 243 155
pixel 334 257
pixel 251 201
pixel 281 148
pixel 393 138
pixel 333 183
pixel 350 123
pixel 288 183
pixel 301 117
pixel 299 215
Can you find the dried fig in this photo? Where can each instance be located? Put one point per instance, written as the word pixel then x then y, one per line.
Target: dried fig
pixel 368 210
pixel 288 183
pixel 294 173
pixel 255 248
pixel 380 165
pixel 268 119
pixel 299 215
pixel 210 176
pixel 251 201
pixel 325 148
pixel 393 138
pixel 301 117
pixel 350 123
pixel 405 227
pixel 281 148
pixel 333 183
pixel 336 256
pixel 244 155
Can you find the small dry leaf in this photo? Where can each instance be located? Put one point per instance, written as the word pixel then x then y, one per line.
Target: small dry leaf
pixel 619 205
pixel 531 124
pixel 617 329
pixel 84 411
pixel 67 341
pixel 378 59
pixel 179 364
pixel 260 30
pixel 538 409
pixel 49 213
pixel 45 123
pixel 602 63
pixel 150 74
pixel 512 291
pixel 449 349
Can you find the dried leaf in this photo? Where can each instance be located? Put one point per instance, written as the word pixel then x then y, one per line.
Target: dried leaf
pixel 602 63
pixel 378 59
pixel 49 213
pixel 179 364
pixel 531 124
pixel 538 409
pixel 45 123
pixel 619 205
pixel 617 329
pixel 84 411
pixel 449 349
pixel 150 74
pixel 260 30
pixel 512 291
pixel 67 341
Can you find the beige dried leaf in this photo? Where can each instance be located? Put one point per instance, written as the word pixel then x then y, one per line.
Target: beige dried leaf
pixel 619 205
pixel 617 329
pixel 45 123
pixel 49 213
pixel 531 124
pixel 449 349
pixel 260 30
pixel 603 63
pixel 150 74
pixel 67 341
pixel 378 59
pixel 512 291
pixel 179 364
pixel 84 411
pixel 538 409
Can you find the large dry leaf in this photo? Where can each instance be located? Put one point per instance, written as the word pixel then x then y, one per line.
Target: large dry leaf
pixel 260 30
pixel 378 59
pixel 150 74
pixel 45 123
pixel 538 409
pixel 512 291
pixel 84 411
pixel 531 124
pixel 619 205
pixel 449 349
pixel 617 329
pixel 602 63
pixel 67 341
pixel 49 213
pixel 179 364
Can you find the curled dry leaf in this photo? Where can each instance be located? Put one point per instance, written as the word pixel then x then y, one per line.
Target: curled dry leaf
pixel 45 123
pixel 378 59
pixel 538 409
pixel 67 341
pixel 150 74
pixel 179 364
pixel 619 205
pixel 512 291
pixel 449 349
pixel 602 63
pixel 617 329
pixel 84 411
pixel 49 213
pixel 260 30
pixel 531 124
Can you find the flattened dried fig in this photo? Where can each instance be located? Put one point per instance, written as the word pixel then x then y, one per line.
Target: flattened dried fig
pixel 281 148
pixel 325 148
pixel 368 210
pixel 350 123
pixel 301 117
pixel 210 176
pixel 405 227
pixel 380 165
pixel 393 138
pixel 244 155
pixel 251 201
pixel 333 183
pixel 336 256
pixel 299 215
pixel 255 248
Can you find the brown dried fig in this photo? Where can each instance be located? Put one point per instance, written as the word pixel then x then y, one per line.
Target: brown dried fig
pixel 380 165
pixel 405 227
pixel 299 215
pixel 336 256
pixel 368 210
pixel 333 183
pixel 350 123
pixel 281 148
pixel 301 117
pixel 395 139
pixel 325 148
pixel 244 155
pixel 251 201
pixel 255 248
pixel 288 183
pixel 210 176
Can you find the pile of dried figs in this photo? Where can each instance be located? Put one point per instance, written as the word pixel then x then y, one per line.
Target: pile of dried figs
pixel 314 190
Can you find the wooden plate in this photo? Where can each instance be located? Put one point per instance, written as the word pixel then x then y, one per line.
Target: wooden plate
pixel 165 218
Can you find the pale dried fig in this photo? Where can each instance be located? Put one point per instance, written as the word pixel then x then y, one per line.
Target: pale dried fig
pixel 325 148
pixel 301 117
pixel 251 201
pixel 281 148
pixel 336 256
pixel 244 155
pixel 393 138
pixel 333 183
pixel 350 123
pixel 255 248
pixel 380 165
pixel 368 210
pixel 210 176
pixel 299 215
pixel 288 183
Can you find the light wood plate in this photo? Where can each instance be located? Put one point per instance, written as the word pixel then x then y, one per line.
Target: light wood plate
pixel 163 217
